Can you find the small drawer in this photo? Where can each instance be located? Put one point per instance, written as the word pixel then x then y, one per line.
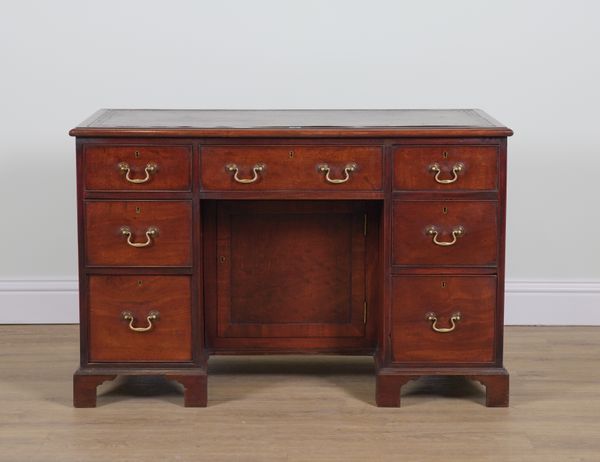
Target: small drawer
pixel 138 233
pixel 438 233
pixel 445 168
pixel 331 168
pixel 139 318
pixel 443 319
pixel 137 168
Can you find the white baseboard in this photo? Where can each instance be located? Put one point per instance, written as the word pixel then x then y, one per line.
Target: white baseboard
pixel 43 301
pixel 563 303
pixel 527 302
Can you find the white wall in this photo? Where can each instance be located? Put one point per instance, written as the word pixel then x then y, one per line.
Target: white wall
pixel 532 64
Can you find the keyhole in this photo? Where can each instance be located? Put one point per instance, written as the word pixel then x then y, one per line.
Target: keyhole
pixel 445 210
pixel 443 284
pixel 291 154
pixel 136 154
pixel 138 210
pixel 445 154
pixel 222 259
pixel 139 283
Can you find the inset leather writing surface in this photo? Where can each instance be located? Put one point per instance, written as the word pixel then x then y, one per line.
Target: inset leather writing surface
pixel 197 118
pixel 413 243
pixel 107 245
pixel 291 269
pixel 149 168
pixel 111 338
pixel 413 337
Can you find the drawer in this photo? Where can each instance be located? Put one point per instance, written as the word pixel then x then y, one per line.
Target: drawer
pixel 457 233
pixel 139 318
pixel 445 168
pixel 244 168
pixel 439 319
pixel 138 233
pixel 137 168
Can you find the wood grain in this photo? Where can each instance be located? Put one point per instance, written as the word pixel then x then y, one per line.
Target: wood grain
pixel 411 245
pixel 173 167
pixel 106 246
pixel 302 408
pixel 412 167
pixel 414 340
pixel 109 335
pixel 290 270
pixel 292 167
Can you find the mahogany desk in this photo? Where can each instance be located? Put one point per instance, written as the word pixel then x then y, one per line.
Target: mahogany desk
pixel 254 232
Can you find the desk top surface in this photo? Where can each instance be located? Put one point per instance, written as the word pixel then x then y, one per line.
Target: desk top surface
pixel 290 123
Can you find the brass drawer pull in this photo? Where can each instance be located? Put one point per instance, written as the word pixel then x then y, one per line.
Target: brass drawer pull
pixel 432 317
pixel 457 232
pixel 435 168
pixel 349 168
pixel 232 168
pixel 151 232
pixel 126 170
pixel 152 316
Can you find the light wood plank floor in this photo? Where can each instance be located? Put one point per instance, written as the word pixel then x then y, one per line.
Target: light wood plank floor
pixel 302 408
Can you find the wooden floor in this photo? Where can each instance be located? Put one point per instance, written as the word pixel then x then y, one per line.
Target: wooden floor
pixel 302 408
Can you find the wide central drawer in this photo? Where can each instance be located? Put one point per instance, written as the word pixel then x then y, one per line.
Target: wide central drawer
pixel 331 168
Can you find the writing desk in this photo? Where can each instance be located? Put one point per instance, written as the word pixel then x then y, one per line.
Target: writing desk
pixel 364 232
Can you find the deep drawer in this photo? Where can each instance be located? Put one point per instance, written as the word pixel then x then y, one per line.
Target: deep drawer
pixel 456 233
pixel 331 168
pixel 139 318
pixel 137 168
pixel 438 319
pixel 138 233
pixel 445 168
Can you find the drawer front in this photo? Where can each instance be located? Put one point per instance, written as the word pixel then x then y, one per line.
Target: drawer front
pixel 246 168
pixel 438 319
pixel 446 168
pixel 139 318
pixel 458 233
pixel 138 233
pixel 138 168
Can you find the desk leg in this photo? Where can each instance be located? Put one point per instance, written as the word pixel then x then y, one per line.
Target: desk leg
pixel 496 388
pixel 195 390
pixel 495 380
pixel 84 388
pixel 85 383
pixel 388 388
